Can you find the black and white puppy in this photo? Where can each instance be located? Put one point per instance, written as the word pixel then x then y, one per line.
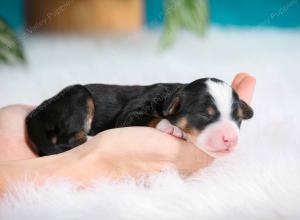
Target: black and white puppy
pixel 206 112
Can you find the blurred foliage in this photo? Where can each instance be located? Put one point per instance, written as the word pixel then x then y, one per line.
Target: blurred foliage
pixel 10 47
pixel 191 15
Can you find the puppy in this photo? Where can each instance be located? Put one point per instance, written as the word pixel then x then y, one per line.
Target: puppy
pixel 206 112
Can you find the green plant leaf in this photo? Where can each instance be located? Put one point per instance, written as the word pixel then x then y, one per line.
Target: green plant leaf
pixel 188 14
pixel 171 26
pixel 11 50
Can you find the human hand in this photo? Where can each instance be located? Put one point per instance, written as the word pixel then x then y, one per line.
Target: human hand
pixel 13 138
pixel 131 151
pixel 137 151
pixel 113 153
pixel 244 85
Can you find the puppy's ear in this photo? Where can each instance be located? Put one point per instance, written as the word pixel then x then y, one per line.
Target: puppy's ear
pixel 245 111
pixel 172 106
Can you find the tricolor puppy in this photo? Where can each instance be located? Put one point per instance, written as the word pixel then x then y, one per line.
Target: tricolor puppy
pixel 206 112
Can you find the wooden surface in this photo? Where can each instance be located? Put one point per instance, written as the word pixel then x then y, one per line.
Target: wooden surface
pixel 84 15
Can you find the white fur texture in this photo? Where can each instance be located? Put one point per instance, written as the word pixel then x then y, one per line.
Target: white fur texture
pixel 261 180
pixel 222 95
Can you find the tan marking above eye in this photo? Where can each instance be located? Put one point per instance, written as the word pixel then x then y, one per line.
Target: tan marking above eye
pixel 210 110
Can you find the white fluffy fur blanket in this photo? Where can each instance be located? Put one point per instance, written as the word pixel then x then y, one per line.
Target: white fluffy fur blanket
pixel 261 180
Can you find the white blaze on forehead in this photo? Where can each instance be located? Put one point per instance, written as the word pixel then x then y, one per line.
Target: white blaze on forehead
pixel 222 94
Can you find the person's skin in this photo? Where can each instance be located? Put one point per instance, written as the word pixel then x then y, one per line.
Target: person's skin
pixel 115 153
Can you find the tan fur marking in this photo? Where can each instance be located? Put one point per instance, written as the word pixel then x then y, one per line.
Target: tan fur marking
pixel 191 133
pixel 90 114
pixel 183 124
pixel 174 106
pixel 81 135
pixel 240 113
pixel 154 122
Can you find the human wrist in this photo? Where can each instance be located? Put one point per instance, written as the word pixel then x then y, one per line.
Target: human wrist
pixel 190 159
pixel 85 162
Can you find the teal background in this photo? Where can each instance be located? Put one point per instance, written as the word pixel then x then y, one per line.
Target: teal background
pixel 154 12
pixel 13 12
pixel 277 13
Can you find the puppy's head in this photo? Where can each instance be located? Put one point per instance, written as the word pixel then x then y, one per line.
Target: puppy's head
pixel 210 113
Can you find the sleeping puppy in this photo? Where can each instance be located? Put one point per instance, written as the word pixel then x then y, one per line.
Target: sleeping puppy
pixel 206 112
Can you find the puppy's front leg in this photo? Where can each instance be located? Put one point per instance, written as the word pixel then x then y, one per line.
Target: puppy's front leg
pixel 165 126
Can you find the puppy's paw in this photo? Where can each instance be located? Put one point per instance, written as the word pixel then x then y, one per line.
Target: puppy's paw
pixel 165 126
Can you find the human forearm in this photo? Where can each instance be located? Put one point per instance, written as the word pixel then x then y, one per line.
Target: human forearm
pixel 80 165
pixel 111 155
pixel 13 171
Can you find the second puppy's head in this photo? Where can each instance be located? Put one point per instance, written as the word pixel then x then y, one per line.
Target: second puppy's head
pixel 210 113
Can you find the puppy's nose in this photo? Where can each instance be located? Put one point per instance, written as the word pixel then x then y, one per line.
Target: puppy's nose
pixel 230 140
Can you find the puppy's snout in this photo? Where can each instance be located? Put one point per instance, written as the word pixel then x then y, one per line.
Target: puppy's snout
pixel 230 139
pixel 227 138
pixel 219 138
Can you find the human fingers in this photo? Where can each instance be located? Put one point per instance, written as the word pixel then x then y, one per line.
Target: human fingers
pixel 245 88
pixel 237 79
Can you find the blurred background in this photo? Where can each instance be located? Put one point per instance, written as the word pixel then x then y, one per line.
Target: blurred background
pixel 48 44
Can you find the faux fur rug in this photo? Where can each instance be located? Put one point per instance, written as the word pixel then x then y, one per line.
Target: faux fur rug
pixel 261 180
